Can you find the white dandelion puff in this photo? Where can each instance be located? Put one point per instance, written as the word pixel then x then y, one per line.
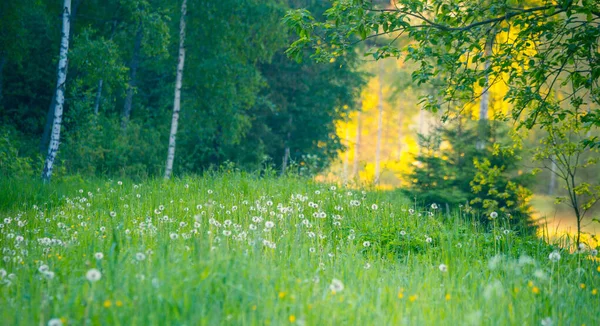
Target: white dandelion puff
pixel 55 322
pixel 93 275
pixel 554 256
pixel 443 268
pixel 336 286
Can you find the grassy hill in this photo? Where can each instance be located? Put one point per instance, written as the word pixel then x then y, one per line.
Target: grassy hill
pixel 239 249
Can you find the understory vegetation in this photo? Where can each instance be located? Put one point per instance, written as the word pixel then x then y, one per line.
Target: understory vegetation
pixel 235 248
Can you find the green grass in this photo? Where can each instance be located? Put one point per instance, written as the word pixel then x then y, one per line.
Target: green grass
pixel 208 276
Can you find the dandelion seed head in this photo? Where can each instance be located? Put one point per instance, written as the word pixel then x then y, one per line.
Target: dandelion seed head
pixel 55 322
pixel 93 275
pixel 443 268
pixel 554 256
pixel 336 286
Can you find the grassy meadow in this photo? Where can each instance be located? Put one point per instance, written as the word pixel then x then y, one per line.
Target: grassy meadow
pixel 236 249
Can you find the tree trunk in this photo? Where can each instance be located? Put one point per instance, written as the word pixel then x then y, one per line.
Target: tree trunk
pixel 286 153
pixel 60 92
pixel 50 114
pixel 178 83
pixel 357 144
pixel 286 157
pixel 379 126
pixel 98 97
pixel 133 67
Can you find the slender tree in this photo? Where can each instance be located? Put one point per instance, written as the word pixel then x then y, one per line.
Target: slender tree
pixel 178 83
pixel 60 92
pixel 286 152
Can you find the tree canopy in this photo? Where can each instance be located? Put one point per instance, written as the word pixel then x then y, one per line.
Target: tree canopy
pixel 546 52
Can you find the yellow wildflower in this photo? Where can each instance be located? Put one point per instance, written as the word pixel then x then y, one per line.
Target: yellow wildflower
pixel 292 318
pixel 107 304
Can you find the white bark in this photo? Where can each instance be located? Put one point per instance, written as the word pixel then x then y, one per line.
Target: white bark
pixel 379 126
pixel 177 100
pixel 357 143
pixel 286 157
pixel 98 97
pixel 60 92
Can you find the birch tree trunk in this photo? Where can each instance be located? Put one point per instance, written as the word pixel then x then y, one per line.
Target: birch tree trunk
pixel 286 153
pixel 98 97
pixel 177 101
pixel 357 143
pixel 379 126
pixel 133 67
pixel 60 92
pixel 50 114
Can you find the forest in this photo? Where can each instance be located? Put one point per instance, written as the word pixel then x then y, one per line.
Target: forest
pixel 241 100
pixel 260 162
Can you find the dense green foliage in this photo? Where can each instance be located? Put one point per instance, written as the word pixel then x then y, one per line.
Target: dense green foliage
pixel 235 248
pixel 451 171
pixel 243 101
pixel 544 52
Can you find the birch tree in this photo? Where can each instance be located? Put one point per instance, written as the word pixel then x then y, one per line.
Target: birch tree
pixel 177 100
pixel 60 92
